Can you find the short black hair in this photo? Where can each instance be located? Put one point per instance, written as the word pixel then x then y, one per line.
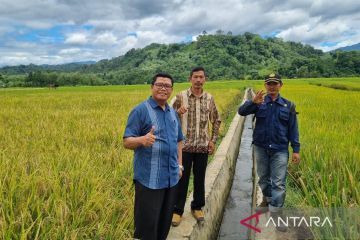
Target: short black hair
pixel 164 75
pixel 197 69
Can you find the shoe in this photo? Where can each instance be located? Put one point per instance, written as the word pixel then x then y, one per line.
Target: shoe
pixel 176 219
pixel 198 215
pixel 280 226
pixel 263 207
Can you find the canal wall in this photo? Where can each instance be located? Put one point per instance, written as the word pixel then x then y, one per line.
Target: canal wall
pixel 218 182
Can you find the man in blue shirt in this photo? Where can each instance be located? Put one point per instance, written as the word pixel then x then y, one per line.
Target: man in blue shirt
pixel 154 133
pixel 276 126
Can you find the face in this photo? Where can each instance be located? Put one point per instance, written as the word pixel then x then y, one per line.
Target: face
pixel 197 79
pixel 273 88
pixel 162 89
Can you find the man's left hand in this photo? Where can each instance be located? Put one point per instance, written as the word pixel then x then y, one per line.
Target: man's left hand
pixel 211 148
pixel 296 158
pixel 180 173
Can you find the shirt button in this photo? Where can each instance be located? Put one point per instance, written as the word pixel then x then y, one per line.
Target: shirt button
pixel 270 145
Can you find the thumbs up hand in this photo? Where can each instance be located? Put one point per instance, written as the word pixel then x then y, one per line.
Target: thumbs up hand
pixel 149 138
pixel 183 109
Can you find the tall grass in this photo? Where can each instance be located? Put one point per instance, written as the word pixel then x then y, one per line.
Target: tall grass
pixel 330 169
pixel 64 172
pixel 65 175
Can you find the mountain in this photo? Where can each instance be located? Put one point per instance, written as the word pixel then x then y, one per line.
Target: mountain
pixel 355 47
pixel 224 56
pixel 24 69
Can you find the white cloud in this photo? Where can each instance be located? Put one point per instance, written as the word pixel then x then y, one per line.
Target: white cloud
pixel 318 32
pixel 194 38
pixel 76 38
pixel 99 29
pixel 69 51
pixel 38 24
pixel 107 38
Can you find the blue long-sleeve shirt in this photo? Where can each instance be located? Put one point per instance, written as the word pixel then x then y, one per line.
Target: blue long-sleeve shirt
pixel 276 123
pixel 155 167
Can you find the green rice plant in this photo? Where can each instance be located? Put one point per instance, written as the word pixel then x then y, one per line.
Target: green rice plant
pixel 64 172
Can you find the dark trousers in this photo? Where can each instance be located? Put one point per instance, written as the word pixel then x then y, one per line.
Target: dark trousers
pixel 153 212
pixel 198 161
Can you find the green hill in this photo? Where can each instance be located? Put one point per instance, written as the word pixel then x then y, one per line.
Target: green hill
pixel 24 69
pixel 246 56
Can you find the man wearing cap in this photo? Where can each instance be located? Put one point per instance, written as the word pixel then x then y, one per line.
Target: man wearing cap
pixel 276 126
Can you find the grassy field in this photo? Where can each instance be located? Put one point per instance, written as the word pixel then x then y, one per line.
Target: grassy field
pixel 349 84
pixel 64 173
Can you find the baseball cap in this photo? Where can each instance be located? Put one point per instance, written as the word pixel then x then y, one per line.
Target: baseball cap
pixel 273 77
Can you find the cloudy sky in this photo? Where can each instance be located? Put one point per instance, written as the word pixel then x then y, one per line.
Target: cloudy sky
pixel 62 31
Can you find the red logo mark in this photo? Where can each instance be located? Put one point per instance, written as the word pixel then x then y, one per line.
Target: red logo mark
pixel 256 216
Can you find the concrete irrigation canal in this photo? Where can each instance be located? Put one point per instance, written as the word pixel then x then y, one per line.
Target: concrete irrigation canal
pixel 230 191
pixel 221 172
pixel 240 201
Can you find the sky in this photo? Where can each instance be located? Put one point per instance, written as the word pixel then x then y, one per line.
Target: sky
pixel 63 31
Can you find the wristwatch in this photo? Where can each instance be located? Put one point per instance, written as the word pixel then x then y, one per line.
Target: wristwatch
pixel 181 167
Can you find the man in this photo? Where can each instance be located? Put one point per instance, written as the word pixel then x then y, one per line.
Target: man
pixel 276 126
pixel 153 131
pixel 196 109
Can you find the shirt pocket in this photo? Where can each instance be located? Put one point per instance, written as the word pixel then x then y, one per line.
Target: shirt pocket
pixel 282 127
pixel 261 118
pixel 284 114
pixel 260 126
pixel 261 113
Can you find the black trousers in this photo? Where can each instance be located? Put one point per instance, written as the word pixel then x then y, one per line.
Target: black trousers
pixel 198 161
pixel 153 212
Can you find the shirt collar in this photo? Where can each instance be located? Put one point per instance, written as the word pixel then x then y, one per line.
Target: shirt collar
pixel 189 93
pixel 154 104
pixel 278 100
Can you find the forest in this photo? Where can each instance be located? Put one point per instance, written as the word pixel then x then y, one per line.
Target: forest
pixel 225 56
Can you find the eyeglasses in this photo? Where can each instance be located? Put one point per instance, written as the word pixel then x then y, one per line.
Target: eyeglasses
pixel 163 85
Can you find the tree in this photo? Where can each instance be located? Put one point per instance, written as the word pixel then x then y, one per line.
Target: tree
pixel 29 80
pixel 219 32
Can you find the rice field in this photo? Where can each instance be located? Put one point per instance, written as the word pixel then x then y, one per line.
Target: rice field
pixel 64 172
pixel 65 175
pixel 329 132
pixel 350 84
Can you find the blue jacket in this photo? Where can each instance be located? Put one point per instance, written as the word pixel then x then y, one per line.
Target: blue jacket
pixel 276 123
